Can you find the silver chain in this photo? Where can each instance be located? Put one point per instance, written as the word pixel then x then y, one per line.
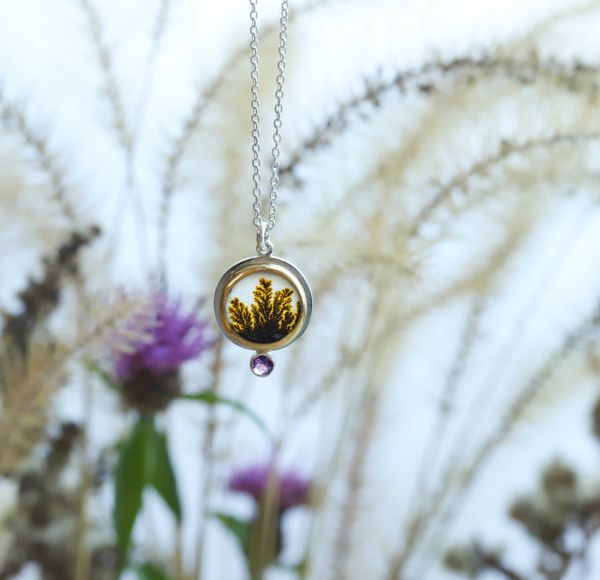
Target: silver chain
pixel 264 246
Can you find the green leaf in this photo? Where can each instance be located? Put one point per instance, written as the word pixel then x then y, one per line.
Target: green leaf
pixel 298 569
pixel 131 475
pixel 240 529
pixel 143 460
pixel 150 572
pixel 162 476
pixel 211 398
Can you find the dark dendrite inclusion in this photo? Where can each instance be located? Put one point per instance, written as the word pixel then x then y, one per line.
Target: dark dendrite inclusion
pixel 269 318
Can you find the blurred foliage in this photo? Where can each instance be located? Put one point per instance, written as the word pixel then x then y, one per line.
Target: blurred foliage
pixel 562 517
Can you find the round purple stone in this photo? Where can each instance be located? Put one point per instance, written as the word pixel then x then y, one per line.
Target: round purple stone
pixel 262 365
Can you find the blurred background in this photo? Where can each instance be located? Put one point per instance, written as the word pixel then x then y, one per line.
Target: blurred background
pixel 439 189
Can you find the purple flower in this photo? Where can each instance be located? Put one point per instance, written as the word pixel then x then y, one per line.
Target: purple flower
pixel 168 337
pixel 292 488
pixel 171 337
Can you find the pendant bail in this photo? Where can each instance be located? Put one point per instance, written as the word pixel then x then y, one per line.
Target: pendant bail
pixel 264 246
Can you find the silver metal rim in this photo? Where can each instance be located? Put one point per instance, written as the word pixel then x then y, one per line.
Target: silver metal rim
pixel 249 266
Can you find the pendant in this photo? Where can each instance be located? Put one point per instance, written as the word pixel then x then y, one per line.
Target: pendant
pixel 263 304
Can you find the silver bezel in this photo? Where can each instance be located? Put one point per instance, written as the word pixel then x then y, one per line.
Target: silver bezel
pixel 250 266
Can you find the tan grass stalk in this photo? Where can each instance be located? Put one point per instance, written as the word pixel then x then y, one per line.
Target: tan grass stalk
pixel 454 496
pixel 430 458
pixel 422 519
pixel 208 460
pixel 45 159
pixel 462 181
pixel 465 70
pixel 111 86
pixel 28 383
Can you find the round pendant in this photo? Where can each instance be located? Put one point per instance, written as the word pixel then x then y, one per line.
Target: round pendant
pixel 263 304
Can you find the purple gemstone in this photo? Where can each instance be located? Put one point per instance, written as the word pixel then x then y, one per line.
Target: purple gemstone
pixel 262 365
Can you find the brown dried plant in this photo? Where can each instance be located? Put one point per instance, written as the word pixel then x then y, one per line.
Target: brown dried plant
pixel 42 296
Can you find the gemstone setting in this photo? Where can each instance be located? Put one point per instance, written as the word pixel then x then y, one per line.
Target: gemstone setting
pixel 263 303
pixel 262 365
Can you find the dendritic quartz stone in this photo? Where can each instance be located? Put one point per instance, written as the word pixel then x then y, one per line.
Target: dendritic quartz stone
pixel 262 365
pixel 263 304
pixel 271 316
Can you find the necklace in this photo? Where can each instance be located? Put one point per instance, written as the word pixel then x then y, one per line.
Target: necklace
pixel 264 303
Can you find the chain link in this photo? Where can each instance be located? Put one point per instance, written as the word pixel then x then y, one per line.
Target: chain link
pixel 263 243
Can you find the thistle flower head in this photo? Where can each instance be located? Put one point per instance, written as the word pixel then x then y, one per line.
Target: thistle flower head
pixel 149 369
pixel 291 488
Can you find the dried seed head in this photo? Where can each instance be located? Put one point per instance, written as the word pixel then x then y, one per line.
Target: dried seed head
pixel 148 371
pixel 149 392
